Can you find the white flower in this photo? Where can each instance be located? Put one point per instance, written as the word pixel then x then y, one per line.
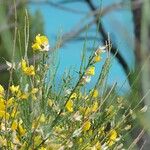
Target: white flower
pixel 77 116
pixel 86 79
pixel 120 146
pixel 10 65
pixel 46 47
pixel 128 127
pixel 69 144
pixel 144 109
pixel 62 148
pixel 104 146
pixel 67 91
pixel 77 132
pixel 101 49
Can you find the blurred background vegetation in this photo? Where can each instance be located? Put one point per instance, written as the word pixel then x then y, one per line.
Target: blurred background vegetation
pixel 138 78
pixel 7 25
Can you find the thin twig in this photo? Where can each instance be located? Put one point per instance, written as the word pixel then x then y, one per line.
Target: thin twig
pixel 56 5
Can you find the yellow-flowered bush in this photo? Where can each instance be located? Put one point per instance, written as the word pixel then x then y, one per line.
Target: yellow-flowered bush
pixel 34 114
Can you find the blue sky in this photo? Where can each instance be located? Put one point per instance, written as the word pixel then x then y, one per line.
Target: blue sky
pixel 117 23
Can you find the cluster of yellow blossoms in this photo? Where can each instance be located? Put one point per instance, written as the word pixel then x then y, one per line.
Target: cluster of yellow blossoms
pixel 91 69
pixel 28 70
pixel 41 44
pixel 13 99
pixel 87 78
pixel 84 113
pixel 10 120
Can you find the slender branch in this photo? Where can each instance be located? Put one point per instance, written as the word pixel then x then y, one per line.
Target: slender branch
pixel 82 38
pixel 68 1
pixel 136 140
pixel 56 5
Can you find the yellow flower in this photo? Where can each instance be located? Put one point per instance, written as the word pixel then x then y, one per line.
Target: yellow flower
pixel 34 90
pixel 97 146
pixel 2 91
pixel 110 110
pixel 101 131
pixel 73 96
pixel 86 125
pixel 10 101
pixel 37 139
pixel 42 118
pixel 58 129
pixel 36 46
pixel 14 89
pixel 50 103
pixel 41 43
pixel 2 104
pixel 14 112
pixel 21 130
pixel 24 96
pixel 42 148
pixel 82 109
pixel 80 140
pixel 34 97
pixel 112 137
pixel 35 123
pixel 85 110
pixel 3 110
pixel 18 94
pixel 97 58
pixel 14 125
pixel 4 114
pixel 88 111
pixel 23 64
pixel 95 107
pixel 90 132
pixel 90 71
pixel 95 93
pixel 30 71
pixel 69 106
